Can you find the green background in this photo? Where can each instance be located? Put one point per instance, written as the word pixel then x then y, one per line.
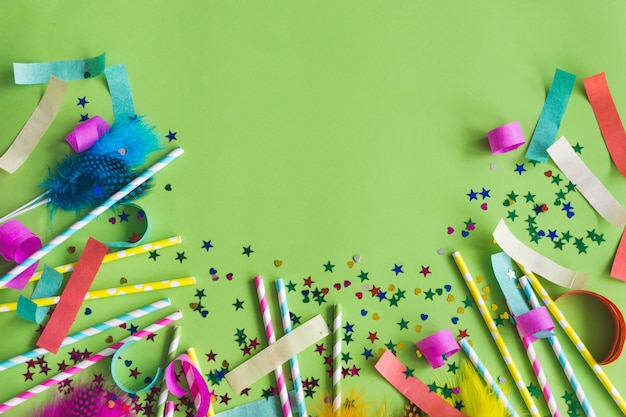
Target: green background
pixel 315 131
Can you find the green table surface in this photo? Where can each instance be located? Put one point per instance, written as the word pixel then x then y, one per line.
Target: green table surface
pixel 318 134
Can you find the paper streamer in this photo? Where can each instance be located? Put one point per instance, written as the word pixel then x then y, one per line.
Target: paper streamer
pixel 575 339
pixel 278 353
pixel 266 407
pixel 535 324
pixel 72 297
pixel 36 126
pixel 191 352
pixel 47 286
pixel 92 360
pixel 174 387
pixel 545 267
pixel 413 388
pixel 560 354
pixel 618 268
pixel 551 115
pixel 495 334
pixel 89 332
pixel 505 138
pixel 437 347
pixel 40 72
pixel 121 94
pixel 87 133
pixel 116 197
pixel 619 325
pixel 112 292
pixel 171 356
pixel 17 243
pixel 608 118
pixel 115 360
pixel 587 183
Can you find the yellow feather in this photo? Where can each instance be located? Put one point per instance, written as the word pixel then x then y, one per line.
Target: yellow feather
pixel 354 405
pixel 478 398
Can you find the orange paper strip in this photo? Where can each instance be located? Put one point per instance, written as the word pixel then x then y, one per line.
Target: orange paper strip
pixel 395 372
pixel 73 295
pixel 608 118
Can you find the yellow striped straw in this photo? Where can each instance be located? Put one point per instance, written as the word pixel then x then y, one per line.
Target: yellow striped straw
pixel 573 336
pixel 495 334
pixel 111 292
pixel 191 352
pixel 120 254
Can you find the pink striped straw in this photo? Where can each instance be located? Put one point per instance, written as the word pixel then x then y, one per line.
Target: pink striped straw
pixel 541 376
pixel 92 360
pixel 170 406
pixel 271 338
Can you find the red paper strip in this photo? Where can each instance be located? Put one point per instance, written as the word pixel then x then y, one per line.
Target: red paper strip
pixel 618 269
pixel 619 333
pixel 608 118
pixel 413 388
pixel 73 295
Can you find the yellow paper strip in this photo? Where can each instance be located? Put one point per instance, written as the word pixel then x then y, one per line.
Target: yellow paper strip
pixel 536 262
pixel 277 353
pixel 586 182
pixel 36 126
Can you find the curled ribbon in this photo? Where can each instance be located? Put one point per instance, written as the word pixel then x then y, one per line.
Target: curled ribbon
pixel 17 243
pixel 438 346
pixel 203 396
pixel 87 133
pixel 535 324
pixel 505 138
pixel 121 386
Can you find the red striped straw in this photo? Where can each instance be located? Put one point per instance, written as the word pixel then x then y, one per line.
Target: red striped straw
pixel 271 338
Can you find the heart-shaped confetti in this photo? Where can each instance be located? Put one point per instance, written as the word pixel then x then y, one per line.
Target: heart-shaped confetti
pixel 346 284
pixel 544 207
pixel 418 291
pixel 439 291
pixel 325 291
pixel 147 380
pixel 494 307
pixel 87 311
pixel 168 187
pixel 123 280
pixel 454 320
pixel 418 328
pixel 205 313
pixel 460 310
pixel 128 362
pixel 71 249
pixel 363 312
pixel 464 233
pixel 305 293
pixel 112 220
pixel 381 351
pixel 193 305
pixel 359 295
pixel 450 230
pixel 278 263
pixel 548 173
pixel 215 277
pixel 507 202
pixel 109 339
pixel 479 279
pixel 225 364
pixel 337 286
pixel 111 404
pixel 123 325
pixel 424 316
pixel 450 298
pixel 229 276
pixel 357 258
pixel 486 289
pixel 391 287
pixel 212 271
pixel 400 345
pixel 376 316
pixel 483 206
pixel 350 264
pixel 447 287
pixel 541 233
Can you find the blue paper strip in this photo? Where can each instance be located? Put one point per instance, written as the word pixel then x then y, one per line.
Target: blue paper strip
pixel 551 115
pixel 40 72
pixel 121 94
pixel 269 407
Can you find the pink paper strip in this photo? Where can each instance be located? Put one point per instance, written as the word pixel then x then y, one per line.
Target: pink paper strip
pixel 506 138
pixel 87 133
pixel 535 323
pixel 438 345
pixel 202 398
pixel 16 244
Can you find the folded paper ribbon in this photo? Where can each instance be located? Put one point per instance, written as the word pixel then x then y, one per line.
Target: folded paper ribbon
pixel 438 346
pixel 76 69
pixel 203 394
pixel 619 325
pixel 47 286
pixel 116 359
pixel 17 243
pixel 535 324
pixel 505 138
pixel 87 133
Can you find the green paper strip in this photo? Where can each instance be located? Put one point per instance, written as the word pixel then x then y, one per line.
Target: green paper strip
pixel 40 72
pixel 551 115
pixel 121 94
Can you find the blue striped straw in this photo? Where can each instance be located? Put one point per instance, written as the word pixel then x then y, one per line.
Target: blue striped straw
pixel 560 354
pixel 92 331
pixel 482 370
pixel 127 189
pixel 293 361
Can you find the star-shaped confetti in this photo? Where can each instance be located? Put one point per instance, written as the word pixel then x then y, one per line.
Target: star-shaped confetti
pixel 397 269
pixel 328 267
pixel 180 257
pixel 247 250
pixel 206 245
pixel 171 136
pixel 82 101
pixel 519 168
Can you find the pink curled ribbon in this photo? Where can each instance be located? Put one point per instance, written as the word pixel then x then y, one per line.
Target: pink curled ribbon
pixel 87 133
pixel 506 138
pixel 197 384
pixel 535 324
pixel 438 346
pixel 17 243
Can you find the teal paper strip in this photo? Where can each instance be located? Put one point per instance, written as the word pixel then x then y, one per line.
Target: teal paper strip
pixel 269 407
pixel 48 286
pixel 40 72
pixel 551 115
pixel 121 94
pixel 503 270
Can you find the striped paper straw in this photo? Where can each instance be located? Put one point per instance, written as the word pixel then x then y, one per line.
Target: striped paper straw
pixel 337 340
pixel 84 334
pixel 495 334
pixel 170 406
pixel 116 197
pixel 120 254
pixel 111 292
pixel 171 355
pixel 293 362
pixel 191 352
pixel 92 360
pixel 560 354
pixel 271 338
pixel 484 372
pixel 573 336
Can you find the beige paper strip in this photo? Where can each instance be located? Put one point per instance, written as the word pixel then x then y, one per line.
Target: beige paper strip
pixel 536 262
pixel 586 182
pixel 277 353
pixel 36 126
